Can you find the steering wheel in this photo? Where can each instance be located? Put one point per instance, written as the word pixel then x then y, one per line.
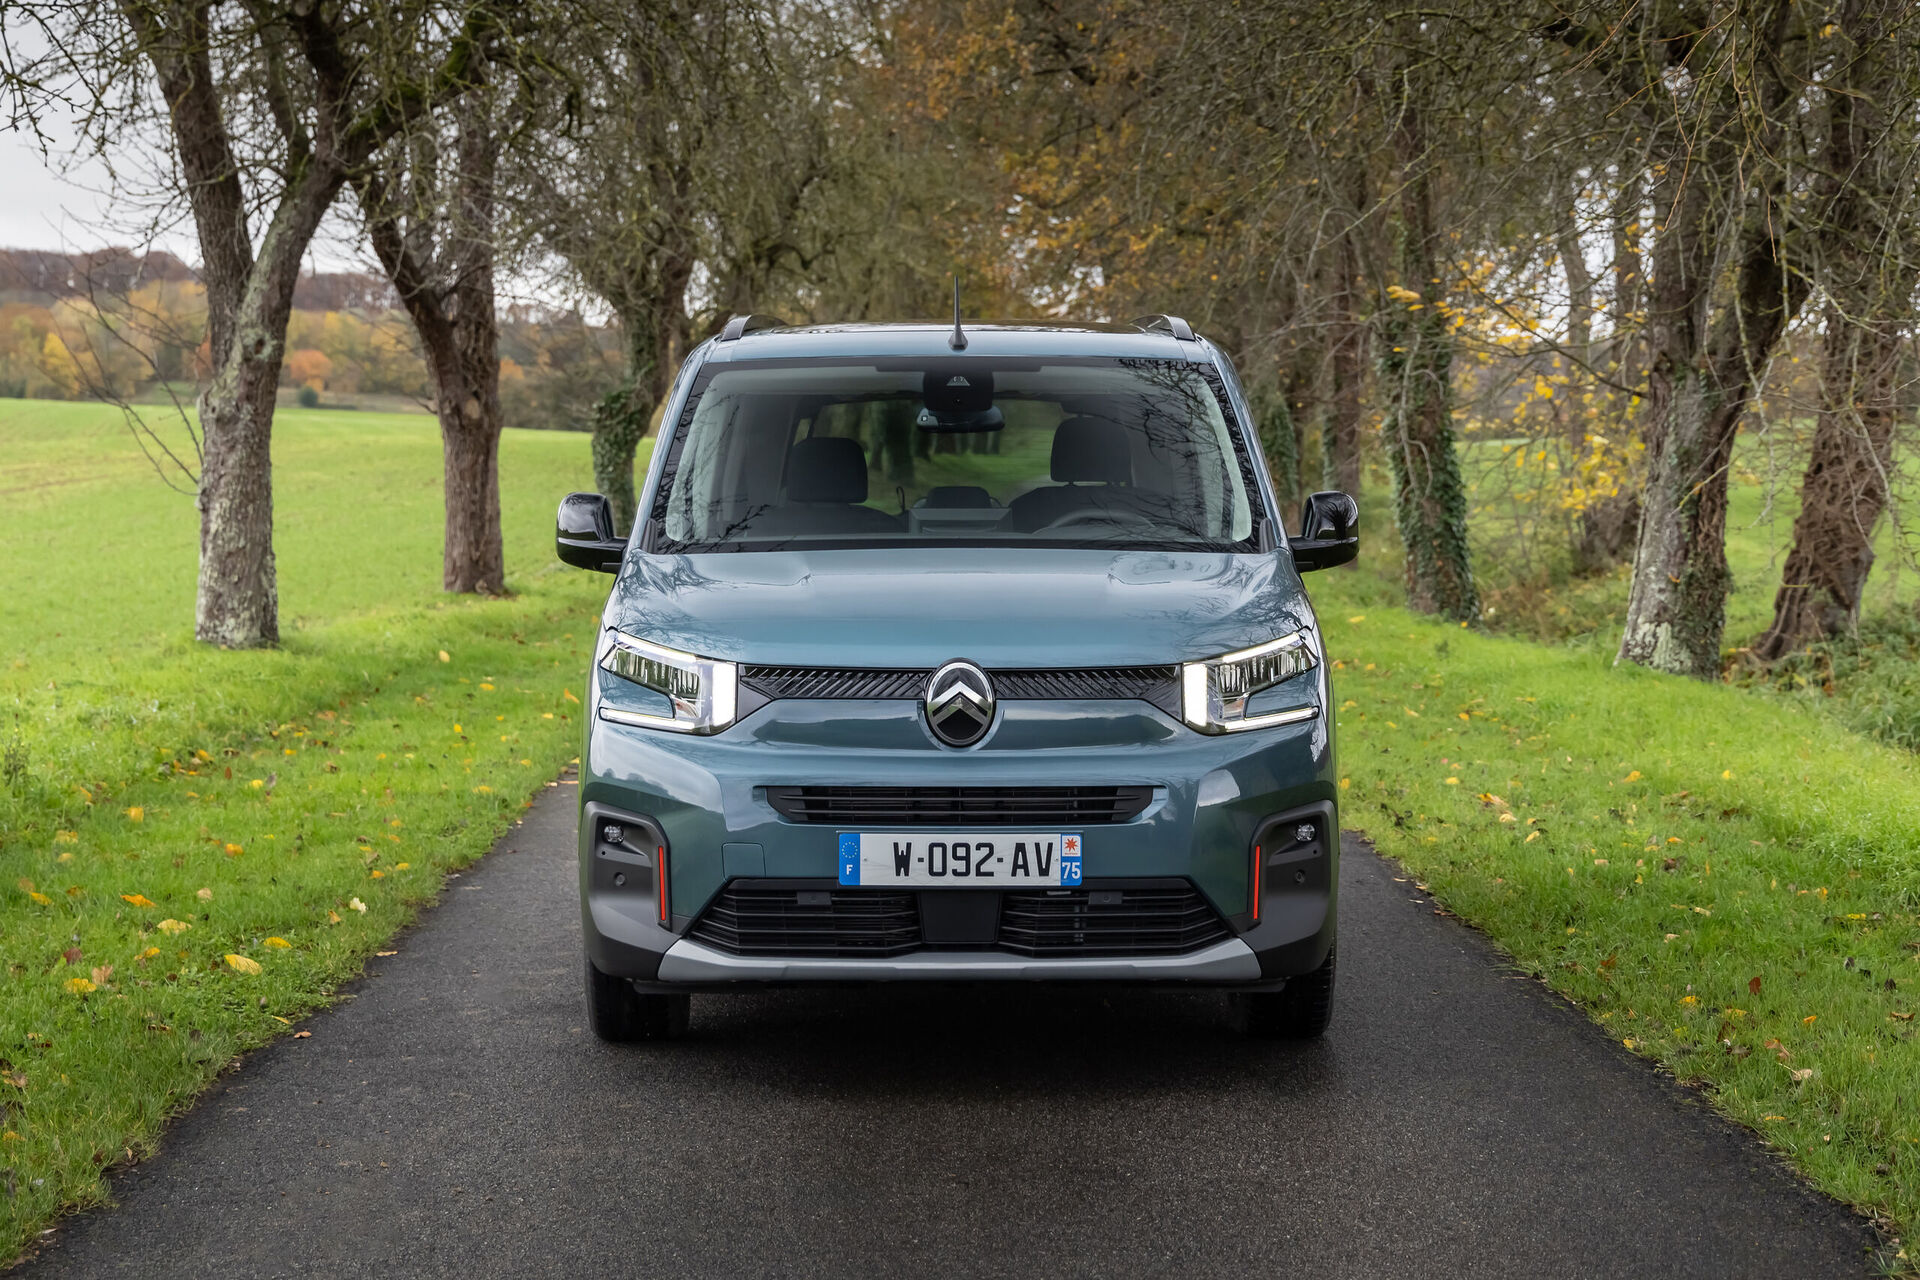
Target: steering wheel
pixel 1100 515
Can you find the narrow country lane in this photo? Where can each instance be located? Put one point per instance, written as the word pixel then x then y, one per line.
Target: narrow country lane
pixel 455 1117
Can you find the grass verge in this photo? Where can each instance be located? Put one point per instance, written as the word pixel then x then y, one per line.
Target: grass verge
pixel 1724 881
pixel 196 847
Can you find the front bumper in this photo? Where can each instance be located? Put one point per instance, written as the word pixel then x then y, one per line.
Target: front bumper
pixel 700 806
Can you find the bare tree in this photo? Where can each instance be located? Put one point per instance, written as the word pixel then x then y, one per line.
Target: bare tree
pixel 269 110
pixel 430 211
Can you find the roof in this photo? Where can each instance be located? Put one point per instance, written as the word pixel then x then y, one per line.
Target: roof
pixel 929 338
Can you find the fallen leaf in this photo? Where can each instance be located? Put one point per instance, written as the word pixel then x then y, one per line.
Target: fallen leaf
pixel 71 955
pixel 136 814
pixel 1808 1020
pixel 205 895
pixel 568 695
pixel 1801 1075
pixel 137 899
pixel 357 905
pixel 101 974
pixel 1753 985
pixel 278 942
pixel 241 964
pixel 445 656
pixel 333 917
pixel 40 898
pixel 1901 1017
pixel 1453 782
pixel 386 953
pixel 303 1035
pixel 148 954
pixel 79 986
pixel 234 850
pixel 173 926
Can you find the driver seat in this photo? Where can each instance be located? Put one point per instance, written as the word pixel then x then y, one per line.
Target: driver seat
pixel 1092 463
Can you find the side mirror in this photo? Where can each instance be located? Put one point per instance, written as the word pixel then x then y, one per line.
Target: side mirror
pixel 583 533
pixel 1329 532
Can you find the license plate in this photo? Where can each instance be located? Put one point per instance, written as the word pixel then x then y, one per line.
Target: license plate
pixel 923 860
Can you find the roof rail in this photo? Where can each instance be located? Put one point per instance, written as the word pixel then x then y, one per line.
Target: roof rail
pixel 1166 324
pixel 740 325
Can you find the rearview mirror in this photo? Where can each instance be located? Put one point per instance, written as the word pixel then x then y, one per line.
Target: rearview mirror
pixel 583 533
pixel 1329 532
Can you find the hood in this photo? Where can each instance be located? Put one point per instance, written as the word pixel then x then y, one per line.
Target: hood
pixel 921 607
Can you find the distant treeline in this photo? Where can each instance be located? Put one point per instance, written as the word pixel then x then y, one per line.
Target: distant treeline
pixel 120 325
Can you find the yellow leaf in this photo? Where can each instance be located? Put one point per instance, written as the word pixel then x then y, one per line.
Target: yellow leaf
pixel 445 656
pixel 357 905
pixel 485 687
pixel 80 986
pixel 1358 617
pixel 41 898
pixel 234 850
pixel 137 899
pixel 1632 777
pixel 278 942
pixel 149 953
pixel 1531 837
pixel 401 866
pixel 1453 782
pixel 257 783
pixel 484 789
pixel 1808 1020
pixel 137 814
pixel 378 874
pixel 568 695
pixel 333 917
pixel 1507 817
pixel 241 964
pixel 205 895
pixel 1727 774
pixel 66 837
pixel 1345 783
pixel 173 926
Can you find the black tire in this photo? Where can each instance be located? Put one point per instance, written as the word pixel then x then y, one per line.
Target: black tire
pixel 1299 1011
pixel 621 1015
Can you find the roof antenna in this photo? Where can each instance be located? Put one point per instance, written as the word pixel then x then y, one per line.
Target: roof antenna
pixel 958 340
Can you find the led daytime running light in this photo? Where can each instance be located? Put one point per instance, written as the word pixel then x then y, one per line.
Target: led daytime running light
pixel 1214 694
pixel 704 692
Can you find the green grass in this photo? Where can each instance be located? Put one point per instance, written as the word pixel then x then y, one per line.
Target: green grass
pixel 1727 878
pixel 290 809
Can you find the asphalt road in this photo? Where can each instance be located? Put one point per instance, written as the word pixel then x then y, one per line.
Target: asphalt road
pixel 455 1117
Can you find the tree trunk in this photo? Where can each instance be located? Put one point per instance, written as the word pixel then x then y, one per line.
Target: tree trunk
pixel 1844 491
pixel 1347 374
pixel 237 602
pixel 1416 386
pixel 473 559
pixel 1700 379
pixel 1676 610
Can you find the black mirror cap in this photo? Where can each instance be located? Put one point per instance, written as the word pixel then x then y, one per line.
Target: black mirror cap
pixel 583 533
pixel 1329 531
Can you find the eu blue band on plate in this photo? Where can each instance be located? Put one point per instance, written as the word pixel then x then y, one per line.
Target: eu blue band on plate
pixel 849 857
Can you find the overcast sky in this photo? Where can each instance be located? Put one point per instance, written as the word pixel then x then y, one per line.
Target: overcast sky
pixel 47 203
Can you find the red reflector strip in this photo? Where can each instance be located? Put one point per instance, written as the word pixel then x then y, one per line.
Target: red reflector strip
pixel 660 880
pixel 1256 884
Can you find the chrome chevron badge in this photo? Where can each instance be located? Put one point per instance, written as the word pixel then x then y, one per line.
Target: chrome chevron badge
pixel 959 704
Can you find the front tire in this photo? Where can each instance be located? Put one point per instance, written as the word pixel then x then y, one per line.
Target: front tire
pixel 1299 1011
pixel 620 1015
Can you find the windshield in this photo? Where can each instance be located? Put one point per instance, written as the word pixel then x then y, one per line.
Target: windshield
pixel 1129 453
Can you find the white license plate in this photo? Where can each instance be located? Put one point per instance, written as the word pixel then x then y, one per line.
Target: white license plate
pixel 985 860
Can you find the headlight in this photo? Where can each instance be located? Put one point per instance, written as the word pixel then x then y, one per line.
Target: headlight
pixel 704 693
pixel 1214 694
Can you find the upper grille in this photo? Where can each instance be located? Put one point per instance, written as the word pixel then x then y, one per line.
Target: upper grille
pixel 834 682
pixel 1107 922
pixel 1158 685
pixel 798 922
pixel 1042 807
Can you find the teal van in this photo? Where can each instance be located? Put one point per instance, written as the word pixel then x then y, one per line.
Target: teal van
pixel 943 655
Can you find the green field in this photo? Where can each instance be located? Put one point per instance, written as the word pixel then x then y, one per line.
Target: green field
pixel 198 846
pixel 172 817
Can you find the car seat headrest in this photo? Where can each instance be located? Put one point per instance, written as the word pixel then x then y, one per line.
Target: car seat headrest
pixel 1091 451
pixel 826 469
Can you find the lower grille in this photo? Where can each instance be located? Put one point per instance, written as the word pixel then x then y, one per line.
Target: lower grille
pixel 1038 808
pixel 1107 922
pixel 803 922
